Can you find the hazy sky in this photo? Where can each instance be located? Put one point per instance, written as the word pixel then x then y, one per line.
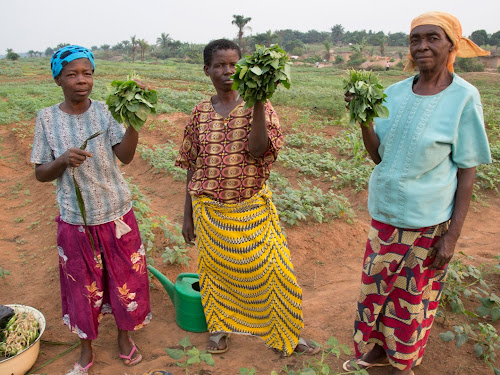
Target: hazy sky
pixel 37 24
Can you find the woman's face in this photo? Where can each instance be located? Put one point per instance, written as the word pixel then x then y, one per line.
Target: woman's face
pixel 76 80
pixel 430 47
pixel 221 68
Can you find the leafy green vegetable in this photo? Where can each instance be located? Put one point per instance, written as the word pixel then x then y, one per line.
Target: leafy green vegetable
pixel 130 104
pixel 368 96
pixel 257 75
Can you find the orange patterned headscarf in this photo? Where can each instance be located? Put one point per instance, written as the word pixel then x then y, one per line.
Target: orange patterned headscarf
pixel 452 27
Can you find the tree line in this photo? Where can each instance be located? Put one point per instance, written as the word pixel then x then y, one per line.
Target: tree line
pixel 293 41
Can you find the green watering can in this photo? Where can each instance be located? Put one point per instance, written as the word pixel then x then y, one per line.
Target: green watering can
pixel 186 297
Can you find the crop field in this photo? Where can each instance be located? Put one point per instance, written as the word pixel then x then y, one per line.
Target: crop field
pixel 319 186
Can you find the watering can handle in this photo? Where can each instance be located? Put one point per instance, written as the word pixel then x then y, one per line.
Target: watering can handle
pixel 183 275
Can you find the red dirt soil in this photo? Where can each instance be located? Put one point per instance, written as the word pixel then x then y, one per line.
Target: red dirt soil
pixel 327 258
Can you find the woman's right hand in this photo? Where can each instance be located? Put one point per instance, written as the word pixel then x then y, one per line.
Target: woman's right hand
pixel 347 98
pixel 74 157
pixel 188 230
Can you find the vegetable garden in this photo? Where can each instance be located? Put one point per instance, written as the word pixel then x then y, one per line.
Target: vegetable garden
pixel 319 187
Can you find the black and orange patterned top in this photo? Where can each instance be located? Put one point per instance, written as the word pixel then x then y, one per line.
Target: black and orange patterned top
pixel 216 150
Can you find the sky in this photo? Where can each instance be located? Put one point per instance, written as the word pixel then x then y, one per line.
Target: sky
pixel 37 24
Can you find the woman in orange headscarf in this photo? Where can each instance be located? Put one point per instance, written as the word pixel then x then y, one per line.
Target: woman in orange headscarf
pixel 426 153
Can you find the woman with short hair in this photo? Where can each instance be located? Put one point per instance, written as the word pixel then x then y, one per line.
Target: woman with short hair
pixel 246 275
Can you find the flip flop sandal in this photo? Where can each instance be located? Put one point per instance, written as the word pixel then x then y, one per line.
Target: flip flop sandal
pixel 361 364
pixel 131 362
pixel 310 348
pixel 215 338
pixel 79 370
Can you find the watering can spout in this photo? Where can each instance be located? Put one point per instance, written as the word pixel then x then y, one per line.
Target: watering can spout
pixel 167 284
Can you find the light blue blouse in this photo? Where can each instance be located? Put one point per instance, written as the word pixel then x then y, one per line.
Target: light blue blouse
pixel 422 144
pixel 104 190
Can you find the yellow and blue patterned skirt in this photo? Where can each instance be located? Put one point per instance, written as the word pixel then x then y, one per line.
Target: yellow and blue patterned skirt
pixel 246 275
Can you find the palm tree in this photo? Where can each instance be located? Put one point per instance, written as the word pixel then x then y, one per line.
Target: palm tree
pixel 163 40
pixel 328 45
pixel 143 45
pixel 49 51
pixel 270 37
pixel 133 46
pixel 11 55
pixel 337 33
pixel 382 41
pixel 359 48
pixel 241 21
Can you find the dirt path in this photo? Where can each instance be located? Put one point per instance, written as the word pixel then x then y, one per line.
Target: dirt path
pixel 327 259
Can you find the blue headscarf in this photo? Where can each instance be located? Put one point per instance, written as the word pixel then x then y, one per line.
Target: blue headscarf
pixel 69 53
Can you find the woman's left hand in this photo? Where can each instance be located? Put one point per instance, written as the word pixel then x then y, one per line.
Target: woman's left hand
pixel 142 85
pixel 443 251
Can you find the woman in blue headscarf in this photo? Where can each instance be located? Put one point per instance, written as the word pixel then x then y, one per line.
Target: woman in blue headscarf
pixel 102 260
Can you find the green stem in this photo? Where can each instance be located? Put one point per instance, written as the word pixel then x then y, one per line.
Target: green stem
pixel 54 358
pixel 57 342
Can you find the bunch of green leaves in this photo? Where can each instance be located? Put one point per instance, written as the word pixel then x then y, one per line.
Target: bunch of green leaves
pixel 368 96
pixel 191 356
pixel 130 104
pixel 258 75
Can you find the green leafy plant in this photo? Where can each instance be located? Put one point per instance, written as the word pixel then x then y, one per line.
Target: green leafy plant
pixel 176 255
pixel 149 223
pixel 247 371
pixel 321 366
pixel 485 336
pixel 461 281
pixel 295 205
pixel 130 104
pixel 162 158
pixel 3 272
pixel 257 75
pixel 191 356
pixel 466 281
pixel 368 96
pixel 490 306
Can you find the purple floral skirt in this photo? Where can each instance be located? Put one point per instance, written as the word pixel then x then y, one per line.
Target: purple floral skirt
pixel 112 279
